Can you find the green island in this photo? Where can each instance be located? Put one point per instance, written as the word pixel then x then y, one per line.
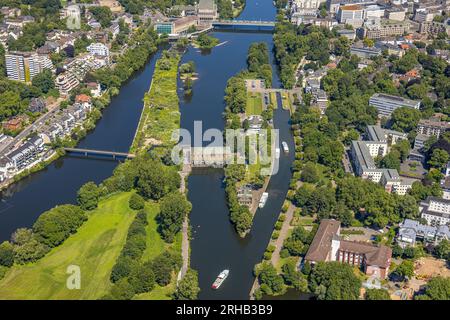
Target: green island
pixel 160 116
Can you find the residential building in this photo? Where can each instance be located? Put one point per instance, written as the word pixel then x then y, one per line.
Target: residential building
pixel 423 15
pixel 334 5
pixel 395 13
pixel 365 52
pixel 433 28
pixel 419 141
pixel 207 11
pixel 379 134
pixel 66 82
pixel 386 104
pixel 436 211
pixel 308 4
pixel 26 153
pixel 98 49
pixel 385 28
pixel 351 14
pixel 411 230
pixel 244 195
pixel 373 11
pixel 13 124
pixel 432 126
pixel 327 245
pixel 349 34
pixel 23 66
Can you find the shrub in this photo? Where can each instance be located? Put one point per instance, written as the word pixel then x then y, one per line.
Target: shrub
pixel 275 235
pixel 278 225
pixel 136 202
pixel 88 196
pixel 267 255
pixel 284 253
pixel 6 254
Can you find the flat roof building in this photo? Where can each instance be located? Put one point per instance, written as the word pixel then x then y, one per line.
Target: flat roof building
pixel 386 104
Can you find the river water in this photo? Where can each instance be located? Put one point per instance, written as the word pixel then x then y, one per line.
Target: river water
pixel 215 245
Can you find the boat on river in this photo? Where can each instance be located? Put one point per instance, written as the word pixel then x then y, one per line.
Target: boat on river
pixel 263 200
pixel 285 147
pixel 220 279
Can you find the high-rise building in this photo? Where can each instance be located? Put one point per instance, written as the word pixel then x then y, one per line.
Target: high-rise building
pixel 23 66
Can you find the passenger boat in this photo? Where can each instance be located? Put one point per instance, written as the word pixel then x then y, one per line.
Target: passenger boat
pixel 263 200
pixel 220 279
pixel 285 147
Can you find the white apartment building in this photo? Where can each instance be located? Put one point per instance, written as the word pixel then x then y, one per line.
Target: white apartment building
pixel 98 49
pixel 66 82
pixel 386 104
pixel 373 12
pixel 436 211
pixel 351 14
pixel 23 66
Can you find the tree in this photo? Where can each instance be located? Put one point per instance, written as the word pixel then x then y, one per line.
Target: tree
pixel 188 288
pixel 142 279
pixel 407 207
pixel 173 207
pixel 57 224
pixel 377 294
pixel 391 160
pixel 154 180
pixel 136 202
pixel 88 196
pixel 442 250
pixel 438 288
pixel 103 15
pixel 269 278
pixel 334 281
pixel 405 119
pixel 293 277
pixel 309 173
pixel 438 159
pixel 122 290
pixel 44 81
pixel 405 269
pixel 6 254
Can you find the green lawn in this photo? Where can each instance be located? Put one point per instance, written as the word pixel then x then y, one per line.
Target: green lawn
pixel 254 103
pixel 94 248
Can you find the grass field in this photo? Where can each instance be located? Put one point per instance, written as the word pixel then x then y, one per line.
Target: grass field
pixel 94 248
pixel 254 103
pixel 273 99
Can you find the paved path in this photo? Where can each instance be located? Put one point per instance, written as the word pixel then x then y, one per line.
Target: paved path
pixel 185 229
pixel 283 234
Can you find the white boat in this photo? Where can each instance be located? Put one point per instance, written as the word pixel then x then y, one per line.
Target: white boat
pixel 263 200
pixel 277 153
pixel 285 147
pixel 220 279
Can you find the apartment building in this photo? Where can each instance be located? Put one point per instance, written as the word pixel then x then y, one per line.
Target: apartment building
pixel 365 52
pixel 23 66
pixel 334 5
pixel 351 14
pixel 328 245
pixel 433 28
pixel 411 230
pixel 98 49
pixel 386 104
pixel 379 134
pixel 385 29
pixel 432 126
pixel 395 14
pixel 66 82
pixel 436 211
pixel 26 153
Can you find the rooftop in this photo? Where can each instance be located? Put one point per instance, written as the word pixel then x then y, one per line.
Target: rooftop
pixel 321 244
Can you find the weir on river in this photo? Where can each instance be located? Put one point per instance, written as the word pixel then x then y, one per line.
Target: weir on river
pixel 215 245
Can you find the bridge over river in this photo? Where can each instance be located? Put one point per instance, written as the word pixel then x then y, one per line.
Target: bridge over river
pixel 244 25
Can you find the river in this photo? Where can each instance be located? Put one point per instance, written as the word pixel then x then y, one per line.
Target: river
pixel 215 245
